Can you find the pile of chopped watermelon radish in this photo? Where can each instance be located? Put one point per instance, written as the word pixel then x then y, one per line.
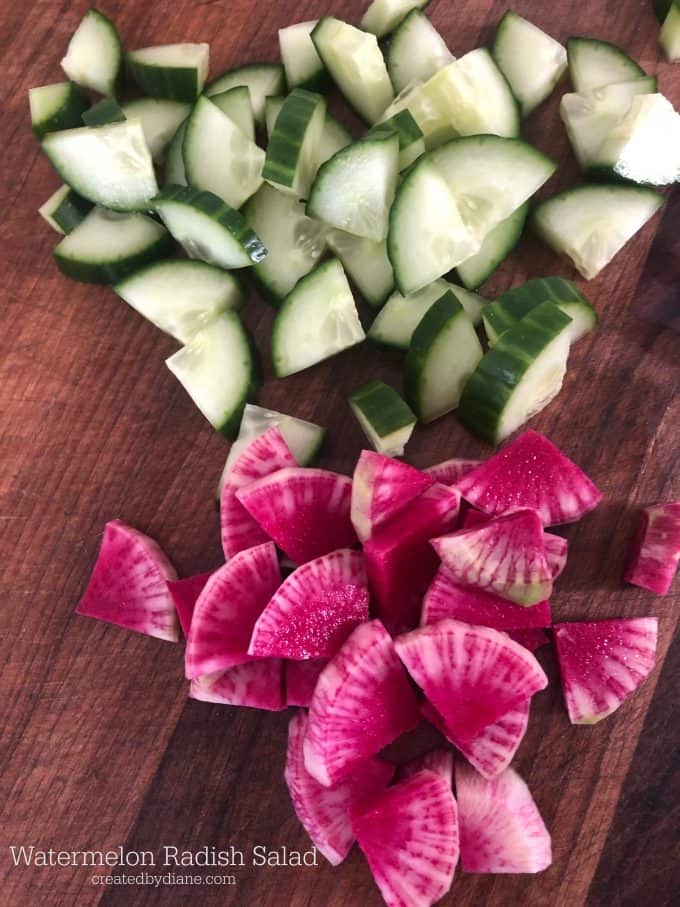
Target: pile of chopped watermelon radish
pixel 416 596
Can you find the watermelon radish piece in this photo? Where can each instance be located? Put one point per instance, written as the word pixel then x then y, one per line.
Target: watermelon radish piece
pixel 257 684
pixel 501 829
pixel 227 609
pixel 325 811
pixel 452 471
pixel 381 487
pixel 362 701
pixel 264 455
pixel 602 662
pixel 471 675
pixel 531 472
pixel 128 585
pixel 409 835
pixel 472 518
pixel 556 550
pixel 301 679
pixel 505 557
pixel 399 560
pixel 315 609
pixel 184 594
pixel 531 638
pixel 305 511
pixel 446 598
pixel 438 761
pixel 654 551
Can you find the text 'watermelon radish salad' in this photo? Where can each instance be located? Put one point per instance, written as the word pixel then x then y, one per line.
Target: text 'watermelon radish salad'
pixel 416 600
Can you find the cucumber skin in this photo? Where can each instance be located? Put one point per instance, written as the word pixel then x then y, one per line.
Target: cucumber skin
pixel 112 272
pixel 636 71
pixel 474 281
pixel 103 112
pixel 68 116
pixel 514 304
pixel 382 411
pixel 283 152
pixel 492 384
pixel 231 427
pixel 71 211
pixel 155 82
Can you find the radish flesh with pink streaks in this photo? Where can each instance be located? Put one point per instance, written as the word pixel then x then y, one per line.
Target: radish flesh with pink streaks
pixel 449 472
pixel 654 551
pixel 301 678
pixel 257 684
pixel 556 550
pixel 381 487
pixel 439 761
pixel 184 594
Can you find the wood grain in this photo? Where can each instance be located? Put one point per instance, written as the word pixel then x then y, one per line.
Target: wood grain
pixel 99 745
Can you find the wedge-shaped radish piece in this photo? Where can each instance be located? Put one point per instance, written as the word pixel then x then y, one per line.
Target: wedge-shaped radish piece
pixel 654 550
pixel 301 679
pixel 556 550
pixel 258 685
pixel 128 585
pixel 532 638
pixel 184 594
pixel 531 472
pixel 409 835
pixel 325 811
pixel 381 487
pixel 227 609
pixel 305 511
pixel 450 472
pixel 438 761
pixel 501 829
pixel 602 662
pixel 362 701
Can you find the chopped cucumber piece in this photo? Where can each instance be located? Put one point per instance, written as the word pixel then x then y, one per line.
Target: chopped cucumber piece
pixel 173 71
pixel 208 229
pixel 292 152
pixel 411 140
pixel 386 420
pixel 262 79
pixel 496 246
pixel 272 108
pixel 294 242
pixel 590 224
pixel 109 165
pixel 56 107
pixel 354 190
pixel 160 121
pixel 416 51
pixel 179 296
pixel 356 64
pixel 105 246
pixel 218 157
pixel 235 103
pixel 217 370
pixel 383 16
pixel 103 112
pixel 531 61
pixel 594 63
pixel 64 210
pixel 519 376
pixel 301 62
pixel 433 122
pixel 334 137
pixel 175 174
pixel 669 36
pixel 367 264
pixel 94 55
pixel 317 319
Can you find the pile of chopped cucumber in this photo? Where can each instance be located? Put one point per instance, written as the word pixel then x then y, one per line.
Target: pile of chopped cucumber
pixel 165 193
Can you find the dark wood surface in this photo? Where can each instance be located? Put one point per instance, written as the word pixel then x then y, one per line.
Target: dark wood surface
pixel 100 746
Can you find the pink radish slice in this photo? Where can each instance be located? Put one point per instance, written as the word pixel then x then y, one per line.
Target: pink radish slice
pixel 654 550
pixel 301 679
pixel 184 594
pixel 556 550
pixel 381 487
pixel 257 684
pixel 438 761
pixel 531 638
pixel 452 471
pixel 128 585
pixel 472 518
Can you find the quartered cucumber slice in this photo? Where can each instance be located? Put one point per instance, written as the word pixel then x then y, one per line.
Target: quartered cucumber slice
pixel 416 51
pixel 106 246
pixel 301 62
pixel 386 420
pixel 496 246
pixel 594 63
pixel 443 353
pixel 669 36
pixel 94 56
pixel 109 165
pixel 411 139
pixel 334 137
pixel 272 108
pixel 160 121
pixel 356 64
pixel 217 370
pixel 531 61
pixel 292 152
pixel 207 228
pixel 56 107
pixel 519 376
pixel 317 319
pixel 180 296
pixel 235 102
pixel 590 224
pixel 262 79
pixel 175 174
pixel 173 71
pixel 218 157
pixel 383 16
pixel 105 111
pixel 354 190
pixel 433 122
pixel 64 210
pixel 294 242
pixel 367 264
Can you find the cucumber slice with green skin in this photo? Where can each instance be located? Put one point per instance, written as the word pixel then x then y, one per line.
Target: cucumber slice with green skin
pixel 218 157
pixel 218 372
pixel 175 174
pixel 316 320
pixel 519 376
pixel 669 36
pixel 262 79
pixel 56 107
pixel 594 63
pixel 334 137
pixel 383 16
pixel 531 61
pixel 295 242
pixel 64 210
pixel 367 264
pixel 496 246
pixel 94 57
pixel 354 190
pixel 416 51
pixel 176 72
pixel 356 65
pixel 103 112
pixel 411 140
pixel 105 246
pixel 433 122
pixel 443 353
pixel 208 229
pixel 292 153
pixel 160 121
pixel 272 108
pixel 386 419
pixel 179 296
pixel 235 103
pixel 301 62
pixel 514 304
pixel 590 224
pixel 109 165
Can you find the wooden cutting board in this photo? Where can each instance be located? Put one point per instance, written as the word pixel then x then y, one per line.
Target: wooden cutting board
pixel 100 746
